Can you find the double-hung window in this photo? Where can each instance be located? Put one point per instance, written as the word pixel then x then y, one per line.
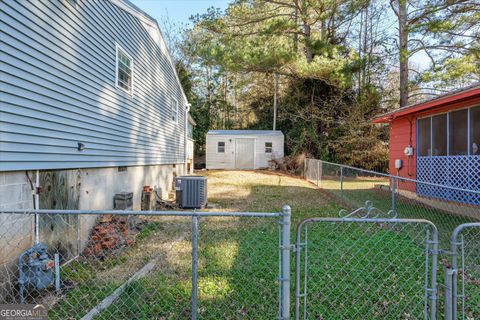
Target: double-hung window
pixel 124 71
pixel 221 147
pixel 174 109
pixel 268 147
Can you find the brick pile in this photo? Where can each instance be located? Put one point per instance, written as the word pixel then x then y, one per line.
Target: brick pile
pixel 110 234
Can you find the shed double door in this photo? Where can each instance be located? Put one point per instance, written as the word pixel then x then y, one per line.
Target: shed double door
pixel 244 153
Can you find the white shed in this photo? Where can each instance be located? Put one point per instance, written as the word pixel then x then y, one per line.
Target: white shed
pixel 242 149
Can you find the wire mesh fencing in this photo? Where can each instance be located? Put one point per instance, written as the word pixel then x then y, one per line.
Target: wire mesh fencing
pixel 137 265
pixel 465 273
pixel 353 186
pixel 449 208
pixel 362 268
pixel 379 257
pixel 238 268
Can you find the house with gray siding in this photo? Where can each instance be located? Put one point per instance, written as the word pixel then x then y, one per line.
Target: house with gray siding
pixel 90 106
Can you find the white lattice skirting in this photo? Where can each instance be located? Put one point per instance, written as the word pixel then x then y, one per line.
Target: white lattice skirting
pixel 454 171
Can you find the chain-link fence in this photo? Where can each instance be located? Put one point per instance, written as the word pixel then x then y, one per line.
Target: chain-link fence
pixel 362 268
pixel 353 186
pixel 449 208
pixel 388 254
pixel 146 265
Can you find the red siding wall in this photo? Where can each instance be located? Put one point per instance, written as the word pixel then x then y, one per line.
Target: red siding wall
pixel 402 134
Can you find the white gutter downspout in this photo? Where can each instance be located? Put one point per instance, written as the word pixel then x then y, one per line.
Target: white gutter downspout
pixel 37 204
pixel 187 109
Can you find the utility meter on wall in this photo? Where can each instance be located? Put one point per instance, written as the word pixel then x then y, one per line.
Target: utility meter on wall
pixel 408 151
pixel 398 164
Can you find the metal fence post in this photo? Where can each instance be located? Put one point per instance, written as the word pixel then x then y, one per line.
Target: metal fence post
pixel 454 250
pixel 434 293
pixel 194 265
pixel 285 264
pixel 318 171
pixel 341 180
pixel 448 280
pixel 305 169
pixel 393 194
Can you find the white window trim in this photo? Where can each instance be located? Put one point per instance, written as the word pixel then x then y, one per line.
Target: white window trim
pixel 118 47
pixel 176 111
pixel 271 147
pixel 224 147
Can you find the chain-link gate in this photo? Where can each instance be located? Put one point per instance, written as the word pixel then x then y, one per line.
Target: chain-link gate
pixel 366 268
pixel 462 277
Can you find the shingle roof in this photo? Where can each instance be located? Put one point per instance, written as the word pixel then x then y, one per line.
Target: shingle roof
pixel 245 132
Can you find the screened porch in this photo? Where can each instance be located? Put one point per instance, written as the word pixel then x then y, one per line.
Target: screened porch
pixel 448 153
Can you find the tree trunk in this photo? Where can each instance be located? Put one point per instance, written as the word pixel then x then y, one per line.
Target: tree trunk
pixel 365 43
pixel 226 120
pixel 209 96
pixel 275 97
pixel 295 34
pixel 323 30
pixel 235 108
pixel 360 52
pixel 308 50
pixel 223 104
pixel 403 41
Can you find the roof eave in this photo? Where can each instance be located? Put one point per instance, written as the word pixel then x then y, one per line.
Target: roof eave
pixel 383 119
pixel 135 11
pixel 462 95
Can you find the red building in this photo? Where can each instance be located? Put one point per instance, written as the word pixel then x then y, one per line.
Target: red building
pixel 438 141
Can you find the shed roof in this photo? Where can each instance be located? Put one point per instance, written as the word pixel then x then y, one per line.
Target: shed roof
pixel 245 133
pixel 441 100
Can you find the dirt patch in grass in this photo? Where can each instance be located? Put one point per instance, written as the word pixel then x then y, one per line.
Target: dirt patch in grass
pixel 166 239
pixel 266 191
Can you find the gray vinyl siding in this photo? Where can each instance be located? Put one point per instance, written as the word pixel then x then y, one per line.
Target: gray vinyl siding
pixel 57 88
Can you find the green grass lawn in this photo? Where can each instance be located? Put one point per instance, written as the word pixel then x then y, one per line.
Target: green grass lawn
pixel 354 271
pixel 364 271
pixel 357 190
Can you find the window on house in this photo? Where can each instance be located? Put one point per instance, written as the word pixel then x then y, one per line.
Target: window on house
pixel 174 107
pixel 475 131
pixel 423 148
pixel 268 147
pixel 221 147
pixel 439 135
pixel 458 130
pixel 190 130
pixel 124 74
